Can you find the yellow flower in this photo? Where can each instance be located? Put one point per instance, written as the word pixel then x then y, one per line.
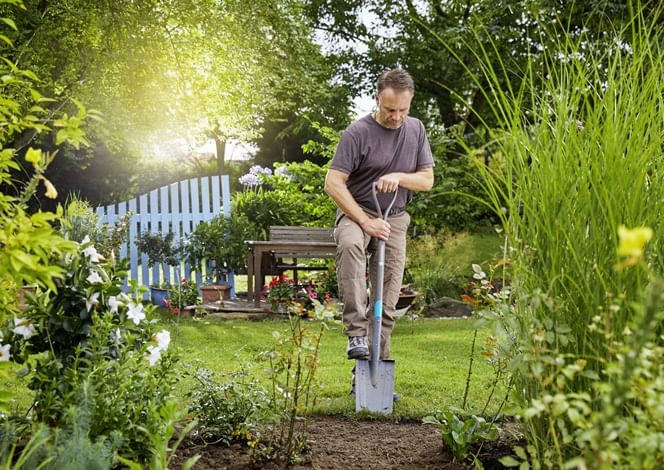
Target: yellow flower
pixel 51 192
pixel 33 155
pixel 632 241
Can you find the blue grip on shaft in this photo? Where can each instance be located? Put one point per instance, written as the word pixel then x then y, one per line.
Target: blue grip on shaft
pixel 378 308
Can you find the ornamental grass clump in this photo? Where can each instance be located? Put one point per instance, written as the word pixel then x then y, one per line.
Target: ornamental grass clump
pixel 578 153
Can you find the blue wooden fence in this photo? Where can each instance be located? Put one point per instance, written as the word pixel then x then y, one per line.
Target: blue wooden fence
pixel 178 208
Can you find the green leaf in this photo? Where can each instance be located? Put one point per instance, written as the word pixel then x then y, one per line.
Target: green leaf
pixel 30 74
pixel 520 452
pixel 7 40
pixel 509 461
pixel 10 23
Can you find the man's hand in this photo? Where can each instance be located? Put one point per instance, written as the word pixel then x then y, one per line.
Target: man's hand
pixel 377 228
pixel 388 183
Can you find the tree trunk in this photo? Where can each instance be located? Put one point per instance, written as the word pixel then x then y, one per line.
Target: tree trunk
pixel 220 145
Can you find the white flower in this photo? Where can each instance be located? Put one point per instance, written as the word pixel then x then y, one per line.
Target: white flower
pixel 163 339
pixel 117 334
pixel 91 252
pixel 154 354
pixel 85 240
pixel 24 328
pixel 1 336
pixel 113 304
pixel 135 313
pixel 4 352
pixel 477 268
pixel 93 300
pixel 94 278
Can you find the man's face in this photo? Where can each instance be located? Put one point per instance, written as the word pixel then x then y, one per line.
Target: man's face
pixel 393 107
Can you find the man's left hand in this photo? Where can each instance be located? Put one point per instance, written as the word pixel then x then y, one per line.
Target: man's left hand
pixel 388 183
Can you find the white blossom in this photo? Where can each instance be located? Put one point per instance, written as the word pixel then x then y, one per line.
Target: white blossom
pixel 24 328
pixel 135 313
pixel 91 252
pixel 118 334
pixel 113 304
pixel 4 352
pixel 154 354
pixel 93 300
pixel 163 339
pixel 94 278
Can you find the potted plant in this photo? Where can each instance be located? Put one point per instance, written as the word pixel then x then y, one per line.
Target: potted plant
pixel 219 244
pixel 160 249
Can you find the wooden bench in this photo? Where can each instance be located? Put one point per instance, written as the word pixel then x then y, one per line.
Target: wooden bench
pixel 285 242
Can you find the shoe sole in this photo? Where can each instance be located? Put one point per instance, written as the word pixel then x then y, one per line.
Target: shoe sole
pixel 358 354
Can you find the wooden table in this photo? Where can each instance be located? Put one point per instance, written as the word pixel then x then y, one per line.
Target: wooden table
pixel 293 248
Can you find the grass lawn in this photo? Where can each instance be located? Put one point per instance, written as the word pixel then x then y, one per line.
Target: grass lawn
pixel 431 363
pixel 465 248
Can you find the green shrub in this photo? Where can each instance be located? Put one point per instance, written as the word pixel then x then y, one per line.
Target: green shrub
pixel 80 221
pixel 237 410
pixel 87 337
pixel 220 240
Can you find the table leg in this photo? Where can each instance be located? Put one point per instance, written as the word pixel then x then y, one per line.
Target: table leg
pixel 258 287
pixel 250 272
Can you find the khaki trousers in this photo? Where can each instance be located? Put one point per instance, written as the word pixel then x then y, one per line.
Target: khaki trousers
pixel 353 246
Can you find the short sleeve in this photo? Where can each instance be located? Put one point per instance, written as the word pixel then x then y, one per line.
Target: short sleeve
pixel 424 155
pixel 347 156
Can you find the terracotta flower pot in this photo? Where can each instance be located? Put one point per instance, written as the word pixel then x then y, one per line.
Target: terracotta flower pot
pixel 215 292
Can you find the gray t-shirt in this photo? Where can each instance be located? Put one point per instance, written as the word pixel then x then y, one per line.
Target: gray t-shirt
pixel 367 151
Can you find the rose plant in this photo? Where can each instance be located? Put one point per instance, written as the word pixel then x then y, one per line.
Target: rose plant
pixel 281 291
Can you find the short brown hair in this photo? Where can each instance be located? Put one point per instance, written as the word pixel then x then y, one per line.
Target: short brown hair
pixel 397 79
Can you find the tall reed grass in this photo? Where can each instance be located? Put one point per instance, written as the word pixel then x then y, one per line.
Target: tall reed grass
pixel 582 139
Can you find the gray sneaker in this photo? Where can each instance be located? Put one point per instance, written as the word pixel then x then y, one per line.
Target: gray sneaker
pixel 357 347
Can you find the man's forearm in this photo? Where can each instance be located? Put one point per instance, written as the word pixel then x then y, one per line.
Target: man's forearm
pixel 421 180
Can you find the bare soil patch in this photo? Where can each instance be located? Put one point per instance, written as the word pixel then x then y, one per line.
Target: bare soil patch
pixel 336 442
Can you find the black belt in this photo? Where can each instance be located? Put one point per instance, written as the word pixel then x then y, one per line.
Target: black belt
pixel 395 211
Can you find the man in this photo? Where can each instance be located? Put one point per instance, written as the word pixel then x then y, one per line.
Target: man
pixel 390 148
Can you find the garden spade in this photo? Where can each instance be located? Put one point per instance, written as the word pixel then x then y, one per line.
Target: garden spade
pixel 374 378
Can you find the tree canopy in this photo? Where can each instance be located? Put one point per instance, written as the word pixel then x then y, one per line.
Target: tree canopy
pixel 164 73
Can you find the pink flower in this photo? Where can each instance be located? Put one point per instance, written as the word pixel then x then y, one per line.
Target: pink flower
pixel 176 311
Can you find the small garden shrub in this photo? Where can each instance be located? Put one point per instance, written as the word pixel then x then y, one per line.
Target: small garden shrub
pixel 183 295
pixel 235 410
